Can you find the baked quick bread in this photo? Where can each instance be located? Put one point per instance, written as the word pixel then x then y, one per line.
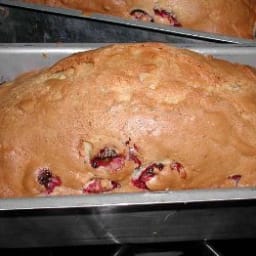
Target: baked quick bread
pixel 128 117
pixel 227 17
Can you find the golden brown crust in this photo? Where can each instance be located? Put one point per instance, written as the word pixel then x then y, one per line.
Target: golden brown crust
pixel 227 17
pixel 182 120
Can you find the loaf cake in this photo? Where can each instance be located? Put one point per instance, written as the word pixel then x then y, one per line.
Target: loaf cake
pixel 128 118
pixel 226 17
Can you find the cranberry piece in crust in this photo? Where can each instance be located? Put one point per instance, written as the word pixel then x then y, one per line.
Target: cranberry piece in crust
pixel 167 16
pixel 139 14
pixel 108 158
pixel 143 175
pixel 48 180
pixel 98 185
pixel 236 178
pixel 176 166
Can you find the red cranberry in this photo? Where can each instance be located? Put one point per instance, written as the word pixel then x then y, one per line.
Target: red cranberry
pixel 176 166
pixel 109 158
pixel 98 185
pixel 48 180
pixel 168 16
pixel 143 175
pixel 139 14
pixel 236 178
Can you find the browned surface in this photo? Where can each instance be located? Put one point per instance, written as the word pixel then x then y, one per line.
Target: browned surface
pixel 173 104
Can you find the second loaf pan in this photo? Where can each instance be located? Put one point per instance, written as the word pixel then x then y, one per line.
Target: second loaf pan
pixel 23 23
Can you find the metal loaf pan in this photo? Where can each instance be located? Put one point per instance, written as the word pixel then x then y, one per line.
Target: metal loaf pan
pixel 128 217
pixel 22 22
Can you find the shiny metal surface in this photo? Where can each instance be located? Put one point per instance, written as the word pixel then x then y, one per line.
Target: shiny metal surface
pixel 132 199
pixel 36 55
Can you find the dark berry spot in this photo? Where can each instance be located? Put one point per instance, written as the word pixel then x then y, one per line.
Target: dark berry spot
pixel 143 175
pixel 160 166
pixel 44 176
pixel 176 166
pixel 236 178
pixel 127 143
pixel 139 14
pixel 98 185
pixel 48 180
pixel 108 158
pixel 170 17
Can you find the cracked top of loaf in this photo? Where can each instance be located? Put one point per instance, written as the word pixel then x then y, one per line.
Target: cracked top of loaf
pixel 128 117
